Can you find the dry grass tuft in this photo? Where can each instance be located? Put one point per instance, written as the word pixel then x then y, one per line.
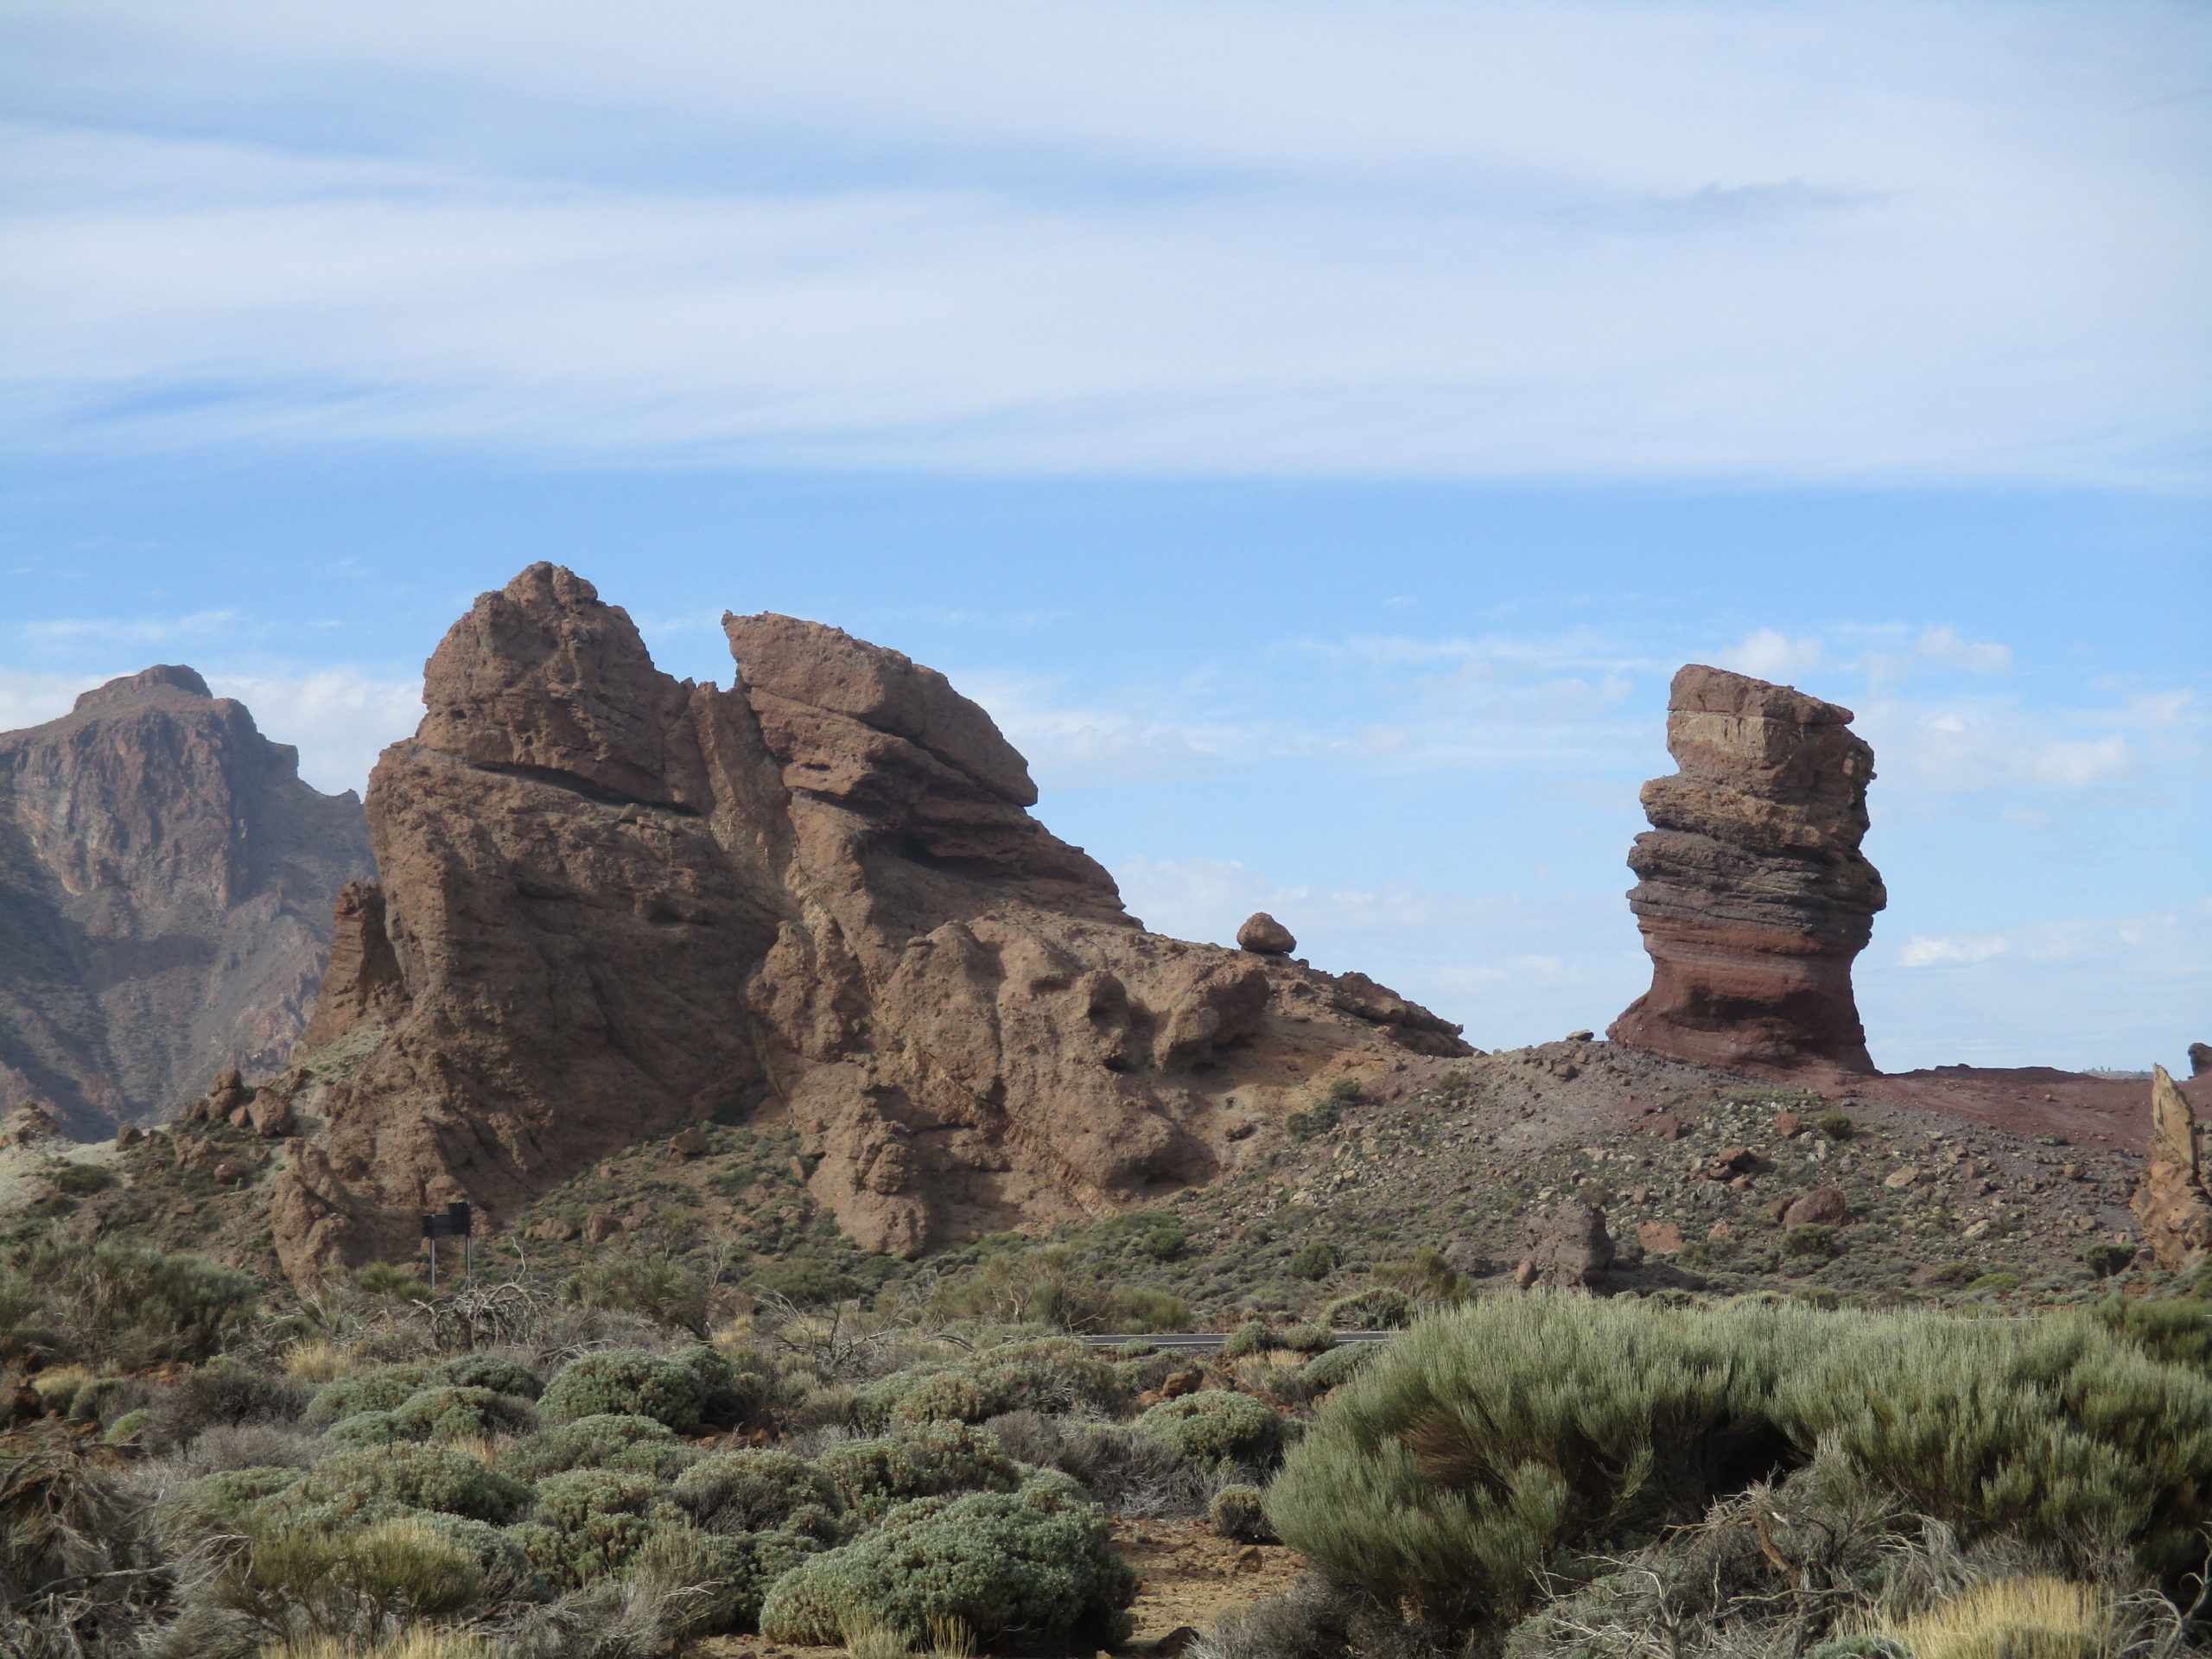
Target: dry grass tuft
pixel 2015 1618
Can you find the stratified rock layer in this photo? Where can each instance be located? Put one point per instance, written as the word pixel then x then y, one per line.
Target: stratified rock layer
pixel 613 902
pixel 1754 896
pixel 2172 1205
pixel 165 887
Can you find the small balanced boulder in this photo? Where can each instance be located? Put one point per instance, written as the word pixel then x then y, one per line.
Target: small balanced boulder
pixel 1264 935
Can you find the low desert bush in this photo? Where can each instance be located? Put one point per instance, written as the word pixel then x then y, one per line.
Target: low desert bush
pixel 2176 1331
pixel 661 1290
pixel 383 1388
pixel 424 1477
pixel 630 1381
pixel 389 1278
pixel 1128 1472
pixel 758 1490
pixel 2105 1258
pixel 456 1413
pixel 1998 1283
pixel 82 1180
pixel 1316 1261
pixel 1237 1513
pixel 362 1582
pixel 927 1460
pixel 61 1515
pixel 1338 1365
pixel 130 1304
pixel 589 1523
pixel 1026 1570
pixel 222 1396
pixel 363 1429
pixel 1809 1241
pixel 1479 1446
pixel 1215 1427
pixel 1314 1337
pixel 1056 1374
pixel 1047 1285
pixel 1253 1337
pixel 493 1372
pixel 1381 1308
pixel 612 1440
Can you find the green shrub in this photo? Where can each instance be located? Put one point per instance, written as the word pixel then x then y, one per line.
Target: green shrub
pixel 454 1413
pixel 136 1307
pixel 1253 1337
pixel 1165 1242
pixel 1315 1338
pixel 926 1460
pixel 1378 1309
pixel 2177 1332
pixel 1481 1446
pixel 401 1569
pixel 1028 1565
pixel 427 1476
pixel 1238 1513
pixel 589 1523
pixel 609 1441
pixel 1048 1286
pixel 490 1371
pixel 384 1388
pixel 1214 1426
pixel 758 1490
pixel 82 1180
pixel 1316 1261
pixel 363 1429
pixel 1809 1240
pixel 1136 1347
pixel 662 1291
pixel 723 1577
pixel 1950 1275
pixel 130 1429
pixel 1055 1374
pixel 628 1380
pixel 1837 1126
pixel 389 1278
pixel 1998 1282
pixel 1337 1366
pixel 218 1503
pixel 2105 1258
pixel 807 1283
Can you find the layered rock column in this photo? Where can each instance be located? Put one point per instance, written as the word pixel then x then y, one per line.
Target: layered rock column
pixel 2172 1204
pixel 1754 896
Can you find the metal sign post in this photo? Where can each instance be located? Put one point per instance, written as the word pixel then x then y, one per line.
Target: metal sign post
pixel 458 1222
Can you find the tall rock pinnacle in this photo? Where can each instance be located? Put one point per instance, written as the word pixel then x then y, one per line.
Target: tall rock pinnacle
pixel 166 881
pixel 614 902
pixel 1754 896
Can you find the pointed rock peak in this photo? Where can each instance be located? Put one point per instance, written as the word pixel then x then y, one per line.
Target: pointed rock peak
pixel 131 688
pixel 822 667
pixel 543 675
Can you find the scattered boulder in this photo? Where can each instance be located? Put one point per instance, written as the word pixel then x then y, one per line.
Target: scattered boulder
pixel 599 1227
pixel 1731 1163
pixel 1824 1207
pixel 128 1135
pixel 1567 1246
pixel 269 1114
pixel 1264 935
pixel 1753 895
pixel 2200 1059
pixel 688 1142
pixel 2171 1205
pixel 1788 1125
pixel 1659 1237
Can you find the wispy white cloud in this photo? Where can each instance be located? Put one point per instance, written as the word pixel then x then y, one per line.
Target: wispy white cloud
pixel 1115 236
pixel 32 699
pixel 1770 655
pixel 199 625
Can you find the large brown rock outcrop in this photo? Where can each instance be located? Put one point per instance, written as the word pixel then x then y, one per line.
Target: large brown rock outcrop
pixel 613 902
pixel 165 888
pixel 1753 896
pixel 2172 1204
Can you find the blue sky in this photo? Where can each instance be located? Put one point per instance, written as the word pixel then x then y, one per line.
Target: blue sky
pixel 1316 431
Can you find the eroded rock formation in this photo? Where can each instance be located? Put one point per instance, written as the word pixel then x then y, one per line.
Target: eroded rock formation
pixel 165 888
pixel 2172 1205
pixel 614 902
pixel 1753 896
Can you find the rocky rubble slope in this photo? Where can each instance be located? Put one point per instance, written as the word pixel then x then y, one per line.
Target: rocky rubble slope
pixel 614 903
pixel 166 881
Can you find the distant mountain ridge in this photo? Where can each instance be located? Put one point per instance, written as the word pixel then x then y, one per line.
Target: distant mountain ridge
pixel 166 885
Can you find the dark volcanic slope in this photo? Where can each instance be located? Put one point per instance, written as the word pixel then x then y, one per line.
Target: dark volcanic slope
pixel 166 881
